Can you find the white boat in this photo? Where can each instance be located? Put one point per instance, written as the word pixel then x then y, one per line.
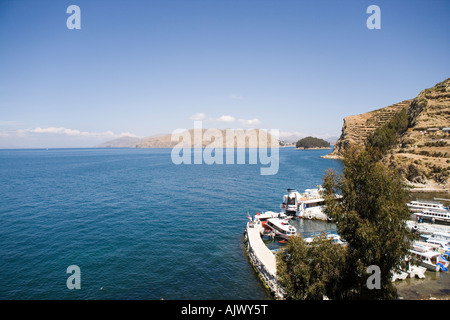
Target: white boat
pixel 441 236
pixel 421 205
pixel 426 230
pixel 413 271
pixel 308 205
pixel 333 237
pixel 400 275
pixel 440 246
pixel 431 260
pixel 263 217
pixel 416 271
pixel 433 215
pixel 336 239
pixel 424 246
pixel 281 227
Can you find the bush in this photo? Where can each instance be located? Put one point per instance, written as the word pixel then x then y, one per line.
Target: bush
pixel 439 174
pixel 385 137
pixel 436 144
pixel 310 272
pixel 413 172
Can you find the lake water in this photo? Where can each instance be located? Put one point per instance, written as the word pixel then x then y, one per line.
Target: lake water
pixel 137 225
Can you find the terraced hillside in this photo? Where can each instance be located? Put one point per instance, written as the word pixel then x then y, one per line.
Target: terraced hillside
pixel 422 155
pixel 357 128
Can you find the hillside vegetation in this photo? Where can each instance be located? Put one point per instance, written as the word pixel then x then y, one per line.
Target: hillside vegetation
pixel 312 143
pixel 411 136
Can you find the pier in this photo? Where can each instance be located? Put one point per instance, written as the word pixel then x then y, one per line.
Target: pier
pixel 262 259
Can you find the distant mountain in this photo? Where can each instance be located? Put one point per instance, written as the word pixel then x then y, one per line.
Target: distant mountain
pixel 291 139
pixel 332 140
pixel 253 138
pixel 122 142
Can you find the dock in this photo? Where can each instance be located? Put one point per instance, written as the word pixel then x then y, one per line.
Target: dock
pixel 262 259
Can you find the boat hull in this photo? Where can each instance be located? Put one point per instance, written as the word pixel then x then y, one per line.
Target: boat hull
pixel 279 231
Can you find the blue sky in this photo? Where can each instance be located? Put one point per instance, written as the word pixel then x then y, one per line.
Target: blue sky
pixel 149 67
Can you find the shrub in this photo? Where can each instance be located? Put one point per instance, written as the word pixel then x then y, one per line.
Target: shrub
pixel 385 137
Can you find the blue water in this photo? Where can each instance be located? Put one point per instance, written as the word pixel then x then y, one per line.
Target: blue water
pixel 137 225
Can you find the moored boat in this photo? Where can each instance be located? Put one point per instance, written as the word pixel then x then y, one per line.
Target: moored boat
pixel 263 217
pixel 433 215
pixel 399 275
pixel 308 205
pixel 333 237
pixel 416 271
pixel 441 236
pixel 429 259
pixel 440 246
pixel 281 228
pixel 421 205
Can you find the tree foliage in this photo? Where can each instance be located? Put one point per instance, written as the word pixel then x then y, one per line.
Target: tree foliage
pixel 371 216
pixel 386 136
pixel 370 213
pixel 310 271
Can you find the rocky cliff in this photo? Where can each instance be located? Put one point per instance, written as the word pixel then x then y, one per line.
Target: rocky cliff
pixel 422 155
pixel 357 128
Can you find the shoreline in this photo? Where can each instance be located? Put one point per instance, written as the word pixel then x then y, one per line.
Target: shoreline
pixel 330 156
pixel 317 148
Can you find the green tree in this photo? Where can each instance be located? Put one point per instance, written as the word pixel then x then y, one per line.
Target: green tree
pixel 371 216
pixel 293 272
pixel 310 272
pixel 386 136
pixel 368 205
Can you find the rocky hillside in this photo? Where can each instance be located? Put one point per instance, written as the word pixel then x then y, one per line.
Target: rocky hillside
pixel 423 152
pixel 357 128
pixel 254 138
